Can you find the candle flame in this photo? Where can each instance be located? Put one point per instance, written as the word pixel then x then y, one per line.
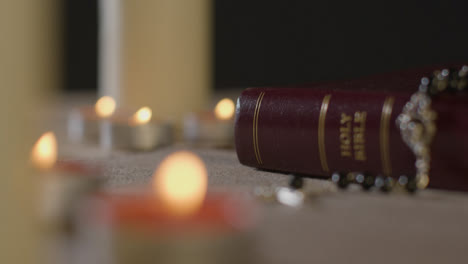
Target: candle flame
pixel 224 109
pixel 142 116
pixel 105 106
pixel 44 152
pixel 181 182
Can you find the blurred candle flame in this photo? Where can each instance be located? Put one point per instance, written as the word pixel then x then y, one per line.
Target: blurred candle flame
pixel 44 152
pixel 180 182
pixel 142 116
pixel 105 106
pixel 224 109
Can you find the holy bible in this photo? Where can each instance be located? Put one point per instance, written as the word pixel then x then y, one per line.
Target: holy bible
pixel 349 126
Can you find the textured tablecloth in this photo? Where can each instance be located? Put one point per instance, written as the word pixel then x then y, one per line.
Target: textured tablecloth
pixel 338 227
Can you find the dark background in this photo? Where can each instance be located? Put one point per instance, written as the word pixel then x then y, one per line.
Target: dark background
pixel 284 42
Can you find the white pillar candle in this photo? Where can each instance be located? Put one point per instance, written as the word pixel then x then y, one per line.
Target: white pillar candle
pixel 110 48
pixel 165 55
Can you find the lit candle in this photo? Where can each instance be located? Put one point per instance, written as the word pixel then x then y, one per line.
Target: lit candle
pixel 178 214
pixel 84 123
pixel 214 129
pixel 142 116
pixel 118 128
pixel 224 109
pixel 141 131
pixel 44 152
pixel 181 182
pixel 63 182
pixel 105 107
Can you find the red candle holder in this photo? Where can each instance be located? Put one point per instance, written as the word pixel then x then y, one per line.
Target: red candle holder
pixel 134 226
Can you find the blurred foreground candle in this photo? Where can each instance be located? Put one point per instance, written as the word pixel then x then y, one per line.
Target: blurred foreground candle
pixel 180 183
pixel 164 55
pixel 212 129
pixel 177 222
pixel 63 184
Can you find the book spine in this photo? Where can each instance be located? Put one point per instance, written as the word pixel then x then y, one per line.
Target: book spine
pixel 320 131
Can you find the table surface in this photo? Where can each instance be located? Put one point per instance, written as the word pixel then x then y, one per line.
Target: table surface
pixel 349 226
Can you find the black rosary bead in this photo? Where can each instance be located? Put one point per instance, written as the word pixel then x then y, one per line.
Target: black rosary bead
pixel 402 180
pixel 379 182
pixel 387 184
pixel 359 178
pixel 411 186
pixel 297 182
pixel 463 79
pixel 453 81
pixel 462 84
pixel 340 179
pixel 366 180
pixel 441 81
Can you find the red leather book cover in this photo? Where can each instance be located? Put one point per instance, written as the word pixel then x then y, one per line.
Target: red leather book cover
pixel 319 129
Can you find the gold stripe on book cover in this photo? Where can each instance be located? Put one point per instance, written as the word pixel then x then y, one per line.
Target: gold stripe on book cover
pixel 255 128
pixel 385 135
pixel 321 132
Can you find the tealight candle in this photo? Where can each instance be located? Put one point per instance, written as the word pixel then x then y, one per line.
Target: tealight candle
pixel 112 127
pixel 177 222
pixel 63 183
pixel 141 132
pixel 85 124
pixel 213 129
